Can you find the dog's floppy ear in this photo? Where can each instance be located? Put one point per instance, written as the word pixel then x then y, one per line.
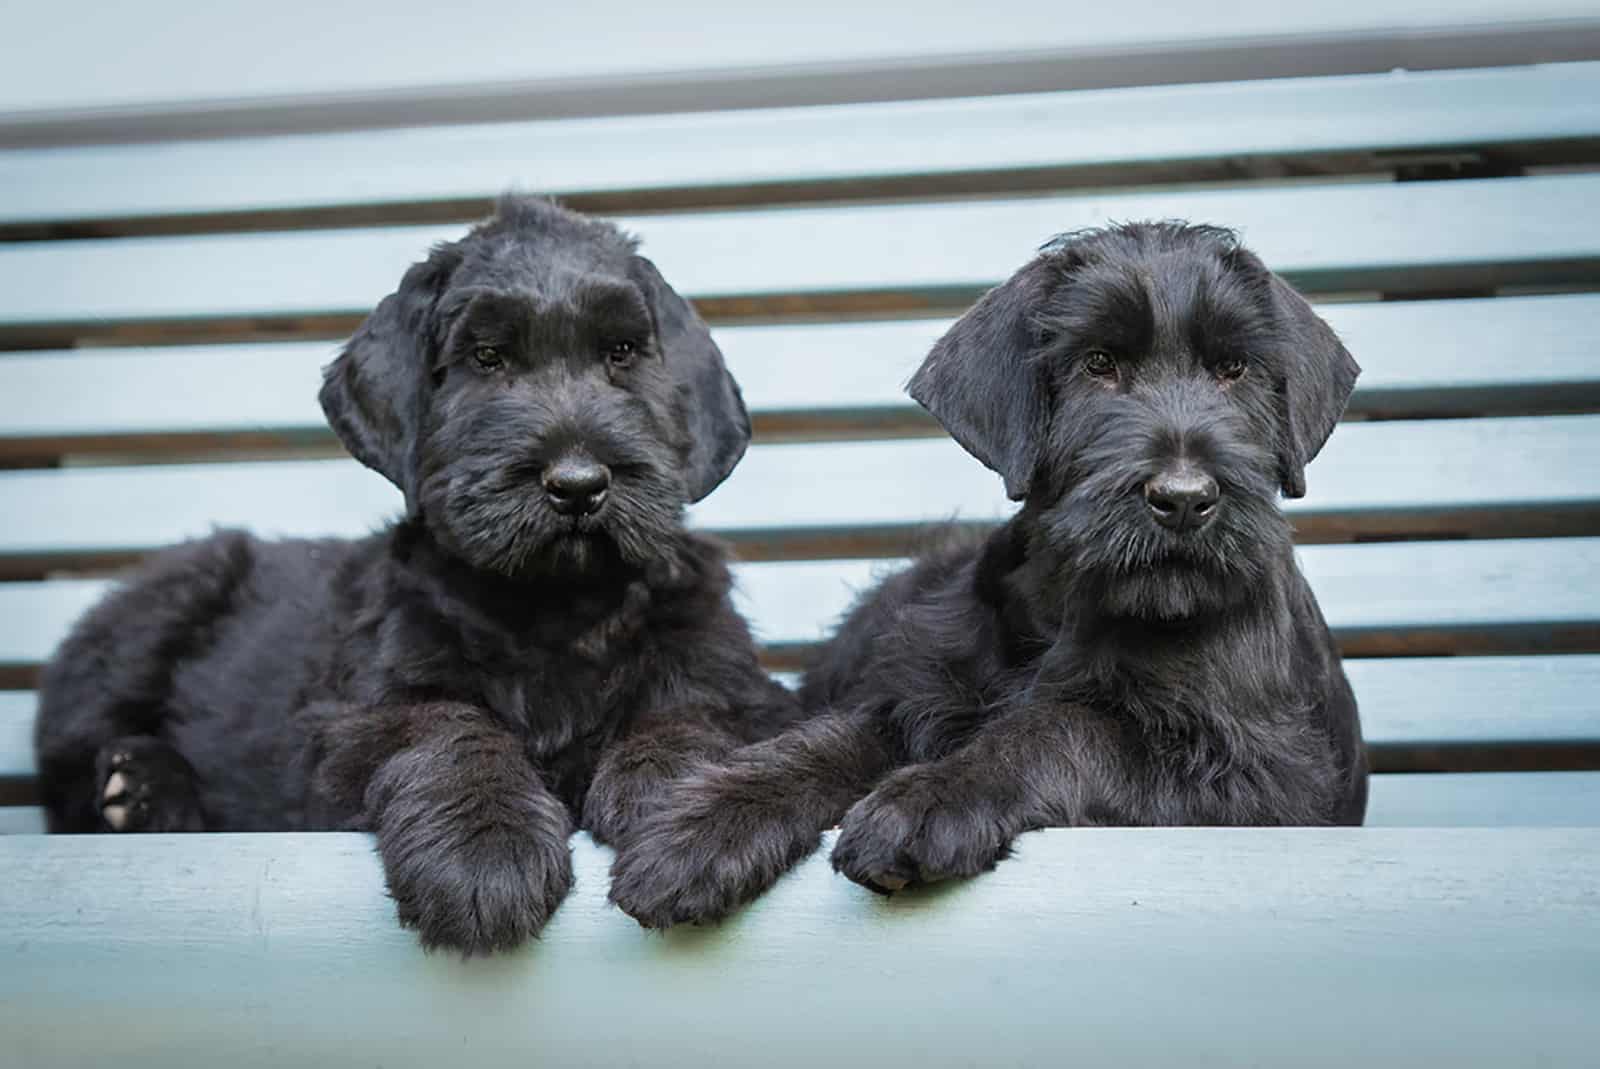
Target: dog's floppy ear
pixel 979 382
pixel 374 392
pixel 719 426
pixel 1318 375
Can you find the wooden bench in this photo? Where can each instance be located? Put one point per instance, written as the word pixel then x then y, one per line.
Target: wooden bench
pixel 165 308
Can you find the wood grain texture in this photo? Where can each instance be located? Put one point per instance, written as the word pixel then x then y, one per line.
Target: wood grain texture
pixel 1335 236
pixel 1415 947
pixel 1236 128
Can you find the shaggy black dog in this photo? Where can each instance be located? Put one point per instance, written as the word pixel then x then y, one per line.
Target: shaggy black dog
pixel 1135 647
pixel 539 645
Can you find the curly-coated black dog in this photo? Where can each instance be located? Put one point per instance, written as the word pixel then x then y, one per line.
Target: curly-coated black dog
pixel 1135 647
pixel 538 645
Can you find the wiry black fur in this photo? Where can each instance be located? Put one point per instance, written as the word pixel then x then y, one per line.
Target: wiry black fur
pixel 487 674
pixel 1083 664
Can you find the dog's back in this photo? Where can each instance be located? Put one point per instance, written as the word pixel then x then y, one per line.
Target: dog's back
pixel 205 646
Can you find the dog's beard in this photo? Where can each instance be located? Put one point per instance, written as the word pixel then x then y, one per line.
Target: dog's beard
pixel 1125 563
pixel 501 521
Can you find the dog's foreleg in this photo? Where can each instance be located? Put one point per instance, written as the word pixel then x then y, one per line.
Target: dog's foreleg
pixel 726 832
pixel 958 816
pixel 633 776
pixel 474 846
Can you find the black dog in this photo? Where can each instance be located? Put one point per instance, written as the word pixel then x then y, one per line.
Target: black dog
pixel 539 644
pixel 1135 647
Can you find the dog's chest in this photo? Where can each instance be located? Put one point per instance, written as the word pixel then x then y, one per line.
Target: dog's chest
pixel 1229 756
pixel 554 701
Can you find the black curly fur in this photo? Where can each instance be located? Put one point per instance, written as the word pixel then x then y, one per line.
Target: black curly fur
pixel 483 676
pixel 1084 664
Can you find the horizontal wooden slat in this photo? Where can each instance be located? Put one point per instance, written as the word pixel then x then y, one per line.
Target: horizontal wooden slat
pixel 21 820
pixel 1441 474
pixel 1536 592
pixel 1397 800
pixel 203 74
pixel 16 734
pixel 1092 946
pixel 1406 704
pixel 1526 354
pixel 1536 588
pixel 1471 701
pixel 1485 800
pixel 1328 237
pixel 1230 129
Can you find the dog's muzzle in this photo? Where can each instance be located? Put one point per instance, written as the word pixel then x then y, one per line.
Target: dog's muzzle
pixel 576 486
pixel 1183 499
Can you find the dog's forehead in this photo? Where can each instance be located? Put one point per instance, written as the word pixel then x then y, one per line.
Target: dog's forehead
pixel 1144 294
pixel 545 276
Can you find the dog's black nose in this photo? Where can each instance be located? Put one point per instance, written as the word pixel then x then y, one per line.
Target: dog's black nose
pixel 1182 500
pixel 576 487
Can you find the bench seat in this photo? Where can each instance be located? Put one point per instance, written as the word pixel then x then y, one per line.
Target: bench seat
pixel 1437 946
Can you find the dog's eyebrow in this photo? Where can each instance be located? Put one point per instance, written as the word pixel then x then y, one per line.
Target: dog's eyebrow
pixel 1226 314
pixel 1107 307
pixel 613 304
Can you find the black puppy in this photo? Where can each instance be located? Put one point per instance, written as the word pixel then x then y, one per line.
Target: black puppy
pixel 538 645
pixel 1136 646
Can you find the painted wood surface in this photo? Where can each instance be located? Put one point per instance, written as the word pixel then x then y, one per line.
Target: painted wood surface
pixel 16 734
pixel 1336 236
pixel 1411 356
pixel 200 71
pixel 1531 589
pixel 1367 470
pixel 1399 800
pixel 1148 130
pixel 1484 800
pixel 1133 947
pixel 1407 702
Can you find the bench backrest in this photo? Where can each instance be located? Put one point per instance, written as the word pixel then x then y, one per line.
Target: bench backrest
pixel 163 329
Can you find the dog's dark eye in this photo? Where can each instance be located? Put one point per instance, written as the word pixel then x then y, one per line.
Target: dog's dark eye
pixel 1100 364
pixel 488 358
pixel 1231 367
pixel 619 351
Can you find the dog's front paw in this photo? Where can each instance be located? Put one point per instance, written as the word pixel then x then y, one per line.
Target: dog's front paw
pixel 475 890
pixel 910 831
pixel 700 857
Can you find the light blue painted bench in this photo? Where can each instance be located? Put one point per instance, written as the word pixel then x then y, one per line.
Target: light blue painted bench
pixel 164 310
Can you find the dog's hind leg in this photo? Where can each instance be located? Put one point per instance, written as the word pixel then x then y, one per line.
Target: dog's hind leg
pixel 146 785
pixel 725 833
pixel 104 697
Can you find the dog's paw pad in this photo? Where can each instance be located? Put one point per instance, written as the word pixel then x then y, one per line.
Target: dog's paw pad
pixel 115 800
pixel 147 786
